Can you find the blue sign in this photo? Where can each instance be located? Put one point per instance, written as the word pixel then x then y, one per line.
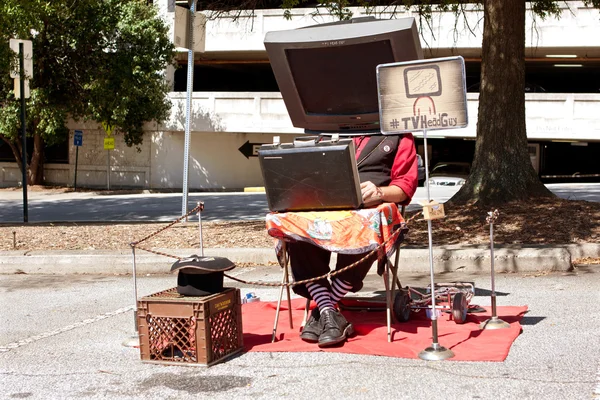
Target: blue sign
pixel 78 138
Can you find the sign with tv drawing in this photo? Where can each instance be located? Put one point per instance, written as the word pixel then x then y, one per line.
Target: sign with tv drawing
pixel 422 95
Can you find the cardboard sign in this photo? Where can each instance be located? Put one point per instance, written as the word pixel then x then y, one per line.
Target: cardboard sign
pixel 422 95
pixel 432 210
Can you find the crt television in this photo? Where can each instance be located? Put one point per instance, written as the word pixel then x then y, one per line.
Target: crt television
pixel 327 73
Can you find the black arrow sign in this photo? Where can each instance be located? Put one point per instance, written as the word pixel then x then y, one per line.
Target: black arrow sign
pixel 250 149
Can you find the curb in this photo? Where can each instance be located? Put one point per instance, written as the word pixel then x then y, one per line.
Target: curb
pixel 467 259
pixel 62 262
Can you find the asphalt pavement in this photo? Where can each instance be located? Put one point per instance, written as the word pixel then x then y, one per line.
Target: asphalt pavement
pixel 65 315
pixel 61 338
pixel 143 206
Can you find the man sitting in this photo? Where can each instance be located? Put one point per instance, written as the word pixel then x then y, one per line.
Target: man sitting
pixel 387 166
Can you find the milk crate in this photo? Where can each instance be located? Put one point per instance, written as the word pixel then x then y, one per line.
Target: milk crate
pixel 180 330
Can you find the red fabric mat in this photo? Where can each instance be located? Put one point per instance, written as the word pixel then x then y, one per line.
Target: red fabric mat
pixel 467 341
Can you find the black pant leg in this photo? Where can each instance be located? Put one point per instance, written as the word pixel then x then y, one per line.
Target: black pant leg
pixel 308 261
pixel 356 274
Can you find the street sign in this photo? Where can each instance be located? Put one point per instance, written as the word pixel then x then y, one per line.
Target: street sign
pixel 107 128
pixel 17 88
pixel 109 143
pixel 78 138
pixel 15 72
pixel 182 37
pixel 250 149
pixel 27 58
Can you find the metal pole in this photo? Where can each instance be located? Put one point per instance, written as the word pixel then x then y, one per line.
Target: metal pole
pixel 435 351
pixel 188 107
pixel 200 208
pixel 430 242
pixel 492 272
pixel 76 160
pixel 108 169
pixel 494 322
pixel 134 341
pixel 135 296
pixel 23 131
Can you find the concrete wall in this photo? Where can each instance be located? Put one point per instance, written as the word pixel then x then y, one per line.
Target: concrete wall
pixel 215 160
pixel 550 116
pixel 221 123
pixel 245 32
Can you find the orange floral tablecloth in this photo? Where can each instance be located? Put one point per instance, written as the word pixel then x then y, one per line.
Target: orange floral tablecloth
pixel 347 231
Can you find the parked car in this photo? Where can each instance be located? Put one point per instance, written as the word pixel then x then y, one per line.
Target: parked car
pixel 449 173
pixel 421 169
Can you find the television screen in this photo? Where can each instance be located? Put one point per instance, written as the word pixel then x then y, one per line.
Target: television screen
pixel 327 73
pixel 326 69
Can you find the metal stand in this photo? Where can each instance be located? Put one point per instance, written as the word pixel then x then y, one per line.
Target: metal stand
pixel 188 107
pixel 494 322
pixel 435 352
pixel 134 341
pixel 200 207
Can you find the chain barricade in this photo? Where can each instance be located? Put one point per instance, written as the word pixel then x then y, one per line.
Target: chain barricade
pixel 200 207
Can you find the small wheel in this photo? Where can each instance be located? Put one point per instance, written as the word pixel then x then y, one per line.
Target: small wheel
pixel 402 306
pixel 459 308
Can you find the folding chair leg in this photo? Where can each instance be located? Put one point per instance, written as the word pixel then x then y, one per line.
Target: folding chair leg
pixel 395 268
pixel 284 280
pixel 390 289
pixel 388 300
pixel 306 308
pixel 287 288
pixel 278 306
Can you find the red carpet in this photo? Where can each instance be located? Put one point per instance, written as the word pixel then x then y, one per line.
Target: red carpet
pixel 467 341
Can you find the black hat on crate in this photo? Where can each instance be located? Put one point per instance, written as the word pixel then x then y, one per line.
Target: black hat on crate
pixel 200 275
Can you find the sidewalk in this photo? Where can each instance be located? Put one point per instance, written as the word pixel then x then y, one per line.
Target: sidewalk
pixel 467 259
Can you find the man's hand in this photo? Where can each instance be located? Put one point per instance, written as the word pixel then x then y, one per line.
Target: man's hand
pixel 371 194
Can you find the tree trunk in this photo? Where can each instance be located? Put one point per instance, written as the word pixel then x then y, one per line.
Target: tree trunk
pixel 501 169
pixel 36 167
pixel 17 150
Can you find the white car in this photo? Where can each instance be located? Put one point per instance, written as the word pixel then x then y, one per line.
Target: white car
pixel 449 173
pixel 421 170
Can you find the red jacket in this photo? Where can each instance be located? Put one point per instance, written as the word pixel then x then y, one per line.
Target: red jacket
pixel 388 160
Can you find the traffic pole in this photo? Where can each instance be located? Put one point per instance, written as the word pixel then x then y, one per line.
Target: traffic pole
pixel 23 131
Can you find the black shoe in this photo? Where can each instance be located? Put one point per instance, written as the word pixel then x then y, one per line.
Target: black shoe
pixel 335 328
pixel 312 329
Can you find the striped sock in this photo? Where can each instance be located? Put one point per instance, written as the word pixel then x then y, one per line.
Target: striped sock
pixel 320 295
pixel 339 288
